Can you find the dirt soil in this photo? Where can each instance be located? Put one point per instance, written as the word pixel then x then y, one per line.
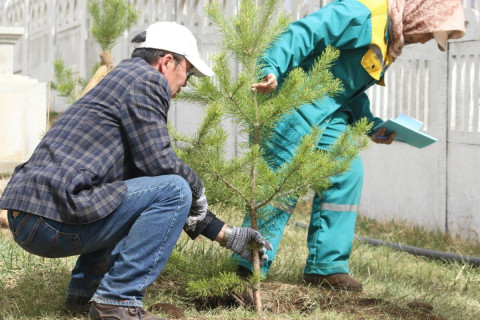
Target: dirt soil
pixel 281 298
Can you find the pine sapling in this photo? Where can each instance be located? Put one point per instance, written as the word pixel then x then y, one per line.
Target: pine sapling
pixel 249 181
pixel 110 18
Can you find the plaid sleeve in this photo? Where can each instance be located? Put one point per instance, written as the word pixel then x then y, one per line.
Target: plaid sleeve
pixel 146 106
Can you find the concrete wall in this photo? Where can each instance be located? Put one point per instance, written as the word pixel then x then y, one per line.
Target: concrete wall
pixel 23 106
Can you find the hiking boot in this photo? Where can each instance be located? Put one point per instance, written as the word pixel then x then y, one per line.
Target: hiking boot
pixel 243 273
pixel 100 311
pixel 77 304
pixel 337 281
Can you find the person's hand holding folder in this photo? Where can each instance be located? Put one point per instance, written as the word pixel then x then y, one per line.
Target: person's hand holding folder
pixel 404 129
pixel 381 136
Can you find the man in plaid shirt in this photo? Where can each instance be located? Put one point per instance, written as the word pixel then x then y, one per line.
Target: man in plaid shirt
pixel 105 184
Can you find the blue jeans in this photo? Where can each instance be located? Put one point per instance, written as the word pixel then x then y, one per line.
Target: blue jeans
pixel 121 254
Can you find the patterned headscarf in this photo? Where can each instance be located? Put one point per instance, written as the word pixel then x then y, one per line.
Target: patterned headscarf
pixel 413 21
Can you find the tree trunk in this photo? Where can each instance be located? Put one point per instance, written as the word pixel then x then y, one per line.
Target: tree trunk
pixel 257 298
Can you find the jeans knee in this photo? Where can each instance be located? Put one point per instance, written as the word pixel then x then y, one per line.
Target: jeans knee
pixel 185 193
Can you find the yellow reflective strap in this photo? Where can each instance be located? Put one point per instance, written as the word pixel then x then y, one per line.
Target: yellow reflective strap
pixel 379 18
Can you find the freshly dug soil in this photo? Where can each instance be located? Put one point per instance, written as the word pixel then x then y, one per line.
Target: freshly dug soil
pixel 281 298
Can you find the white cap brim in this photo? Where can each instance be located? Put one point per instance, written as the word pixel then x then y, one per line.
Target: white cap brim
pixel 200 68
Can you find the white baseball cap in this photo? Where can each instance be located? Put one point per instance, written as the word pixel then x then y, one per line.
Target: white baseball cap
pixel 173 37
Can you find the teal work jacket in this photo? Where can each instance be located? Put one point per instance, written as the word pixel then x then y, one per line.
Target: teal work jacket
pixel 359 29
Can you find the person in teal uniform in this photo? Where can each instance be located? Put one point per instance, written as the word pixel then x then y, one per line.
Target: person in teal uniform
pixel 370 35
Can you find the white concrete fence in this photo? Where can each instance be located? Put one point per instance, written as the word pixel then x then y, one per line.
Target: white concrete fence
pixel 436 187
pixel 23 106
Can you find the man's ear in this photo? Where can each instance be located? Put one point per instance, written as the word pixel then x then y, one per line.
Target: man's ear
pixel 163 63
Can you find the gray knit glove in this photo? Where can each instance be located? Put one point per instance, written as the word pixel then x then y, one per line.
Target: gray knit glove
pixel 198 211
pixel 240 243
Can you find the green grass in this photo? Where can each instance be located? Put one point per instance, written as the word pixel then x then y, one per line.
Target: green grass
pixel 396 231
pixel 34 288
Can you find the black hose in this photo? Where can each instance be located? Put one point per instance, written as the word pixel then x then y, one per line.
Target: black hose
pixel 438 255
pixel 423 252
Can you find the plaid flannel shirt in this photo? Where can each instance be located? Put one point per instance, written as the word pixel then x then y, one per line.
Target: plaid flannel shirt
pixel 117 131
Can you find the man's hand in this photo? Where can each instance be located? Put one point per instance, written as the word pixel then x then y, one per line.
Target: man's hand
pixel 381 136
pixel 269 84
pixel 240 239
pixel 198 211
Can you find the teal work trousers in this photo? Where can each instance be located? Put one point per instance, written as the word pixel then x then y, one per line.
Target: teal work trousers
pixel 333 216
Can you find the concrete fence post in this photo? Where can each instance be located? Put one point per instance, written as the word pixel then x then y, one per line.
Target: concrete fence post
pixel 23 105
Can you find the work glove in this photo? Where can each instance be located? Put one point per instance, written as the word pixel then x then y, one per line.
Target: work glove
pixel 239 241
pixel 198 211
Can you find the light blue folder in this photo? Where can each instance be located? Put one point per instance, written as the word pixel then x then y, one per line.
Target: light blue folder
pixel 408 131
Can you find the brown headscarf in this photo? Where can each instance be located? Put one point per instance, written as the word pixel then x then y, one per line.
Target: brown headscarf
pixel 413 21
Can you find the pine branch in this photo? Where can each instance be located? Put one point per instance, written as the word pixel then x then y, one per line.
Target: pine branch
pixel 210 121
pixel 65 83
pixel 276 193
pixel 246 12
pixel 225 86
pixel 109 19
pixel 243 35
pixel 215 14
pixel 176 136
pixel 221 175
pixel 300 88
pixel 232 187
pixel 265 19
pixel 304 153
pixel 201 90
